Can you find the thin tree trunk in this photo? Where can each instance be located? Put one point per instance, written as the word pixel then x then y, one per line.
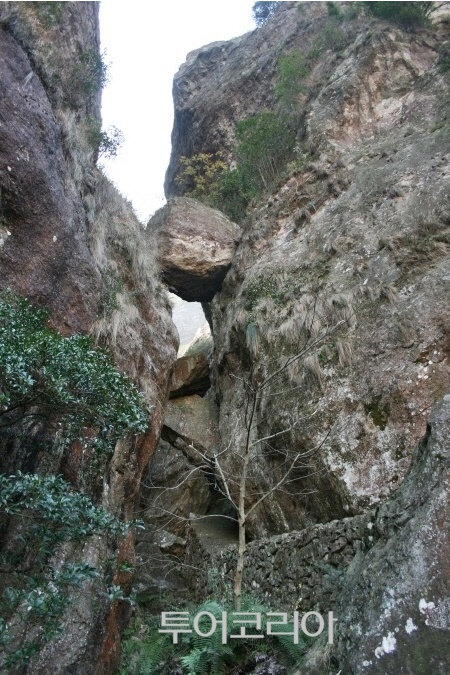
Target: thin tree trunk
pixel 237 591
pixel 239 565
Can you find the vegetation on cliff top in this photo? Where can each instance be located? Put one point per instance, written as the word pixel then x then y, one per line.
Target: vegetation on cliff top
pixel 266 142
pixel 262 11
pixel 408 15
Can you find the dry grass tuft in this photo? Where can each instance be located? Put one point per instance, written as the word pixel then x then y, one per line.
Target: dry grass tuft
pixel 345 352
pixel 125 257
pixel 313 371
pixel 388 292
pixel 339 309
pixel 394 192
pixel 252 339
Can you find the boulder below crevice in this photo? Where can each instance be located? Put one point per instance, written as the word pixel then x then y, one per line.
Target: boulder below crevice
pixel 190 376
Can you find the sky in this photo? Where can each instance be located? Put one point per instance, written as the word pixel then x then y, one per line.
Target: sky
pixel 145 45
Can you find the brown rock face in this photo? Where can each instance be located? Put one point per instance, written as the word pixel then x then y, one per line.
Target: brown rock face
pixel 69 242
pixel 44 251
pixel 190 376
pixel 196 245
pixel 179 477
pixel 175 487
pixel 192 420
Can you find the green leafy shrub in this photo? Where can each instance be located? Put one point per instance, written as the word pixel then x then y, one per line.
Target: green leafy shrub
pixel 74 391
pixel 198 178
pixel 444 59
pixel 331 36
pixel 408 15
pixel 62 381
pixel 36 590
pixel 234 190
pixel 48 13
pixel 262 11
pixel 265 145
pixel 112 285
pixel 444 64
pixel 292 70
pixel 88 76
pixel 206 177
pixel 333 10
pixel 106 142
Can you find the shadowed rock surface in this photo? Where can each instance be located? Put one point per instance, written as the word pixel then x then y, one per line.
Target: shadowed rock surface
pixel 190 376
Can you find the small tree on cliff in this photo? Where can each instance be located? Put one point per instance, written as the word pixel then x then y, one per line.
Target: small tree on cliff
pixel 408 15
pixel 262 11
pixel 257 388
pixel 236 484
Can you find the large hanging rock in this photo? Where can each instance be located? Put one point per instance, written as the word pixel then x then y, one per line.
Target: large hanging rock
pixel 196 245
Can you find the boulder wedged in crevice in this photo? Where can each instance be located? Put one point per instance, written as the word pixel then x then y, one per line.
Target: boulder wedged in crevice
pixel 179 478
pixel 190 376
pixel 191 424
pixel 195 247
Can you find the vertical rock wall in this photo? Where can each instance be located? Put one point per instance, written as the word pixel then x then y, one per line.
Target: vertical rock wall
pixel 349 252
pixel 70 243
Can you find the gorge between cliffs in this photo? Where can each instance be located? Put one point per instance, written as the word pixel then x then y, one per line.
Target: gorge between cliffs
pixel 287 472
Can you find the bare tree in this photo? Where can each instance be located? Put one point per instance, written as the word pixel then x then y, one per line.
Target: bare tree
pixel 234 484
pixel 256 390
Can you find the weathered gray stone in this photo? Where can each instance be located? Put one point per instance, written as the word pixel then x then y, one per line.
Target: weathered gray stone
pixel 378 264
pixel 190 376
pixel 190 423
pixel 299 558
pixel 394 611
pixel 173 487
pixel 196 246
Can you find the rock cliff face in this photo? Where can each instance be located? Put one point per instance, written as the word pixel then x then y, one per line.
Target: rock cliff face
pixel 350 251
pixel 71 244
pixel 342 272
pixel 334 311
pixel 395 606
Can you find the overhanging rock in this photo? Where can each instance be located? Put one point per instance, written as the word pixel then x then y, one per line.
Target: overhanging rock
pixel 195 247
